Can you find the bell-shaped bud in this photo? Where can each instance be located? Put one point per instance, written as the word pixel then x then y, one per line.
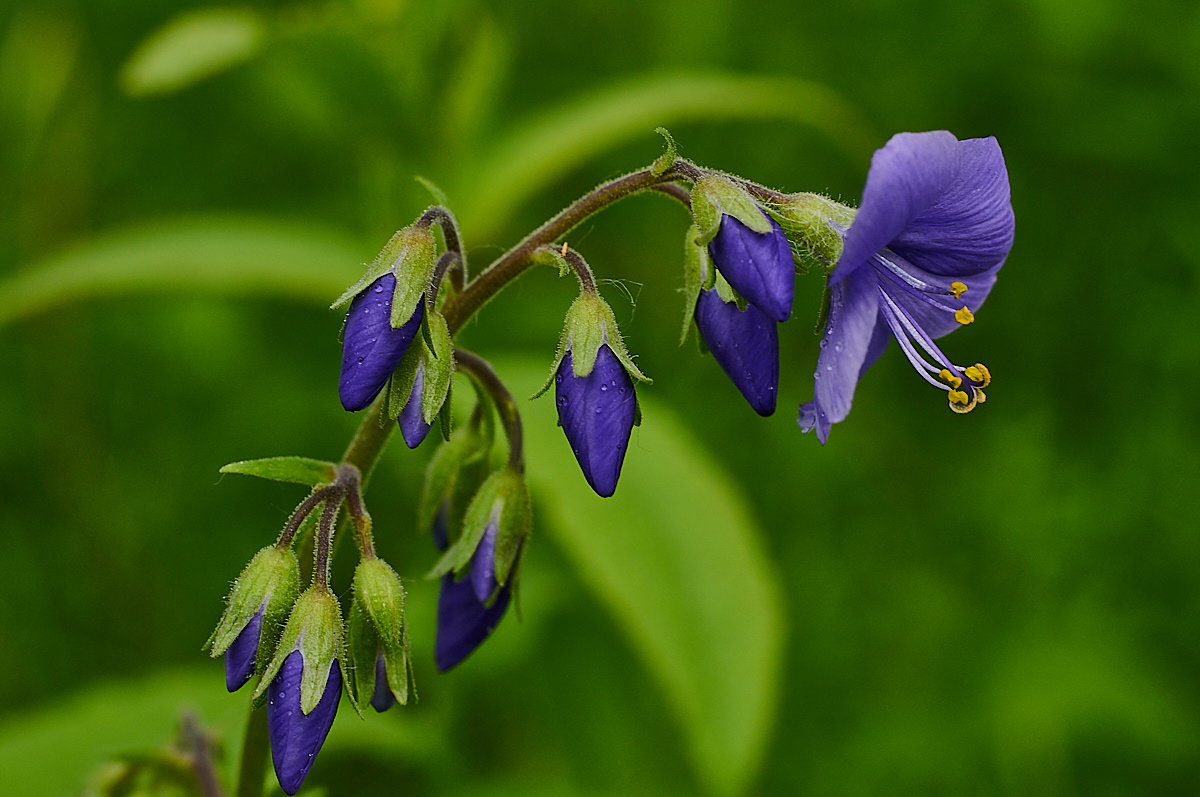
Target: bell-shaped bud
pixel 386 308
pixel 421 385
pixel 485 557
pixel 378 637
pixel 748 247
pixel 303 684
pixel 593 383
pixel 744 342
pixel 818 225
pixel 258 604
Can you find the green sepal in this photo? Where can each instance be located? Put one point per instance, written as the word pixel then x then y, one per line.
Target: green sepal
pixel 813 221
pixel 299 470
pixel 590 324
pixel 667 159
pixel 377 624
pixel 727 293
pixel 714 196
pixel 486 507
pixel 438 359
pixel 271 581
pixel 435 190
pixel 516 522
pixel 315 629
pixel 401 383
pixel 411 255
pixel 468 444
pixel 696 276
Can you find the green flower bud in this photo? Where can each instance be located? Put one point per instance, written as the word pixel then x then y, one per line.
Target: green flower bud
pixel 590 324
pixel 500 511
pixel 817 224
pixel 714 196
pixel 378 637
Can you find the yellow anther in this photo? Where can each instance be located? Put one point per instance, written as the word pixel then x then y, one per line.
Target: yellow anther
pixel 958 289
pixel 950 378
pixel 979 396
pixel 963 315
pixel 979 373
pixel 564 251
pixel 960 402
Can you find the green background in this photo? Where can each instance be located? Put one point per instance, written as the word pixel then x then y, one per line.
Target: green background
pixel 1002 603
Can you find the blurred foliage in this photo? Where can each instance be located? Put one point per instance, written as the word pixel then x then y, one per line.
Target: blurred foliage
pixel 1003 603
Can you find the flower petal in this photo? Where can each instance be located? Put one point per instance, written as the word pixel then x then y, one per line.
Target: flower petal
pixel 412 418
pixel 907 177
pixel 296 737
pixel 371 348
pixel 382 699
pixel 597 412
pixel 970 228
pixel 463 621
pixel 240 656
pixel 483 564
pixel 745 343
pixel 759 266
pixel 849 346
pixel 935 314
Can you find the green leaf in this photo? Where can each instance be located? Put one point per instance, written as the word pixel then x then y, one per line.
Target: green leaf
pixel 539 152
pixel 191 47
pixel 300 470
pixel 223 255
pixel 676 557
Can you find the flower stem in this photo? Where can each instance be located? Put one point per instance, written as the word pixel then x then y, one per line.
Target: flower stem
pixel 253 765
pixel 482 372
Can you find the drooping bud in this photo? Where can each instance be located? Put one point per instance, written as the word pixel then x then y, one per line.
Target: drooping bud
pixel 593 378
pixel 817 224
pixel 378 637
pixel 748 247
pixel 384 315
pixel 303 683
pixel 745 343
pixel 421 385
pixel 258 604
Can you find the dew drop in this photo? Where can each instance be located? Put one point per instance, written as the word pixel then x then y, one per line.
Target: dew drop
pixel 836 346
pixel 603 388
pixel 562 401
pixel 360 360
pixel 598 410
pixel 829 368
pixel 379 289
pixel 824 343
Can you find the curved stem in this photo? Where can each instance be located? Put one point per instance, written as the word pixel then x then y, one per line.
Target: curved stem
pixel 513 263
pixel 445 219
pixel 484 375
pixel 583 272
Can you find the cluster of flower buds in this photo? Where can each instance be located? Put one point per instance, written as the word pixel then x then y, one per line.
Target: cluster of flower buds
pixel 914 262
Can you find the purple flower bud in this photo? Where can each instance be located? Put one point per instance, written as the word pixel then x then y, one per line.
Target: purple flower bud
pixel 483 565
pixel 412 418
pixel 382 699
pixel 371 348
pixel 745 343
pixel 758 265
pixel 296 737
pixel 464 621
pixel 240 656
pixel 597 412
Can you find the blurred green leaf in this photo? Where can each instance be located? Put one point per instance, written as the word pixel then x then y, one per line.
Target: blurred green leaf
pixel 220 255
pixel 538 152
pixel 191 47
pixel 676 557
pixel 300 470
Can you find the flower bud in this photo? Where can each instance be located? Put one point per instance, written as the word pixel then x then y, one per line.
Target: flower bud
pixel 748 247
pixel 593 378
pixel 378 636
pixel 421 386
pixel 303 683
pixel 745 343
pixel 384 315
pixel 257 607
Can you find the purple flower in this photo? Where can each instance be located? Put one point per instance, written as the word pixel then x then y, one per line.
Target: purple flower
pixel 919 258
pixel 240 656
pixel 758 265
pixel 464 619
pixel 371 347
pixel 412 418
pixel 296 737
pixel 745 344
pixel 597 413
pixel 382 699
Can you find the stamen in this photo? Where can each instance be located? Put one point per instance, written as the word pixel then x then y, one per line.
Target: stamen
pixel 978 373
pixel 946 376
pixel 958 289
pixel 960 402
pixel 980 396
pixel 963 315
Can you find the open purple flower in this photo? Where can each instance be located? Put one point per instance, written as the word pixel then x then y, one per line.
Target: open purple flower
pixel 240 656
pixel 758 265
pixel 371 347
pixel 919 258
pixel 745 343
pixel 465 619
pixel 597 412
pixel 296 737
